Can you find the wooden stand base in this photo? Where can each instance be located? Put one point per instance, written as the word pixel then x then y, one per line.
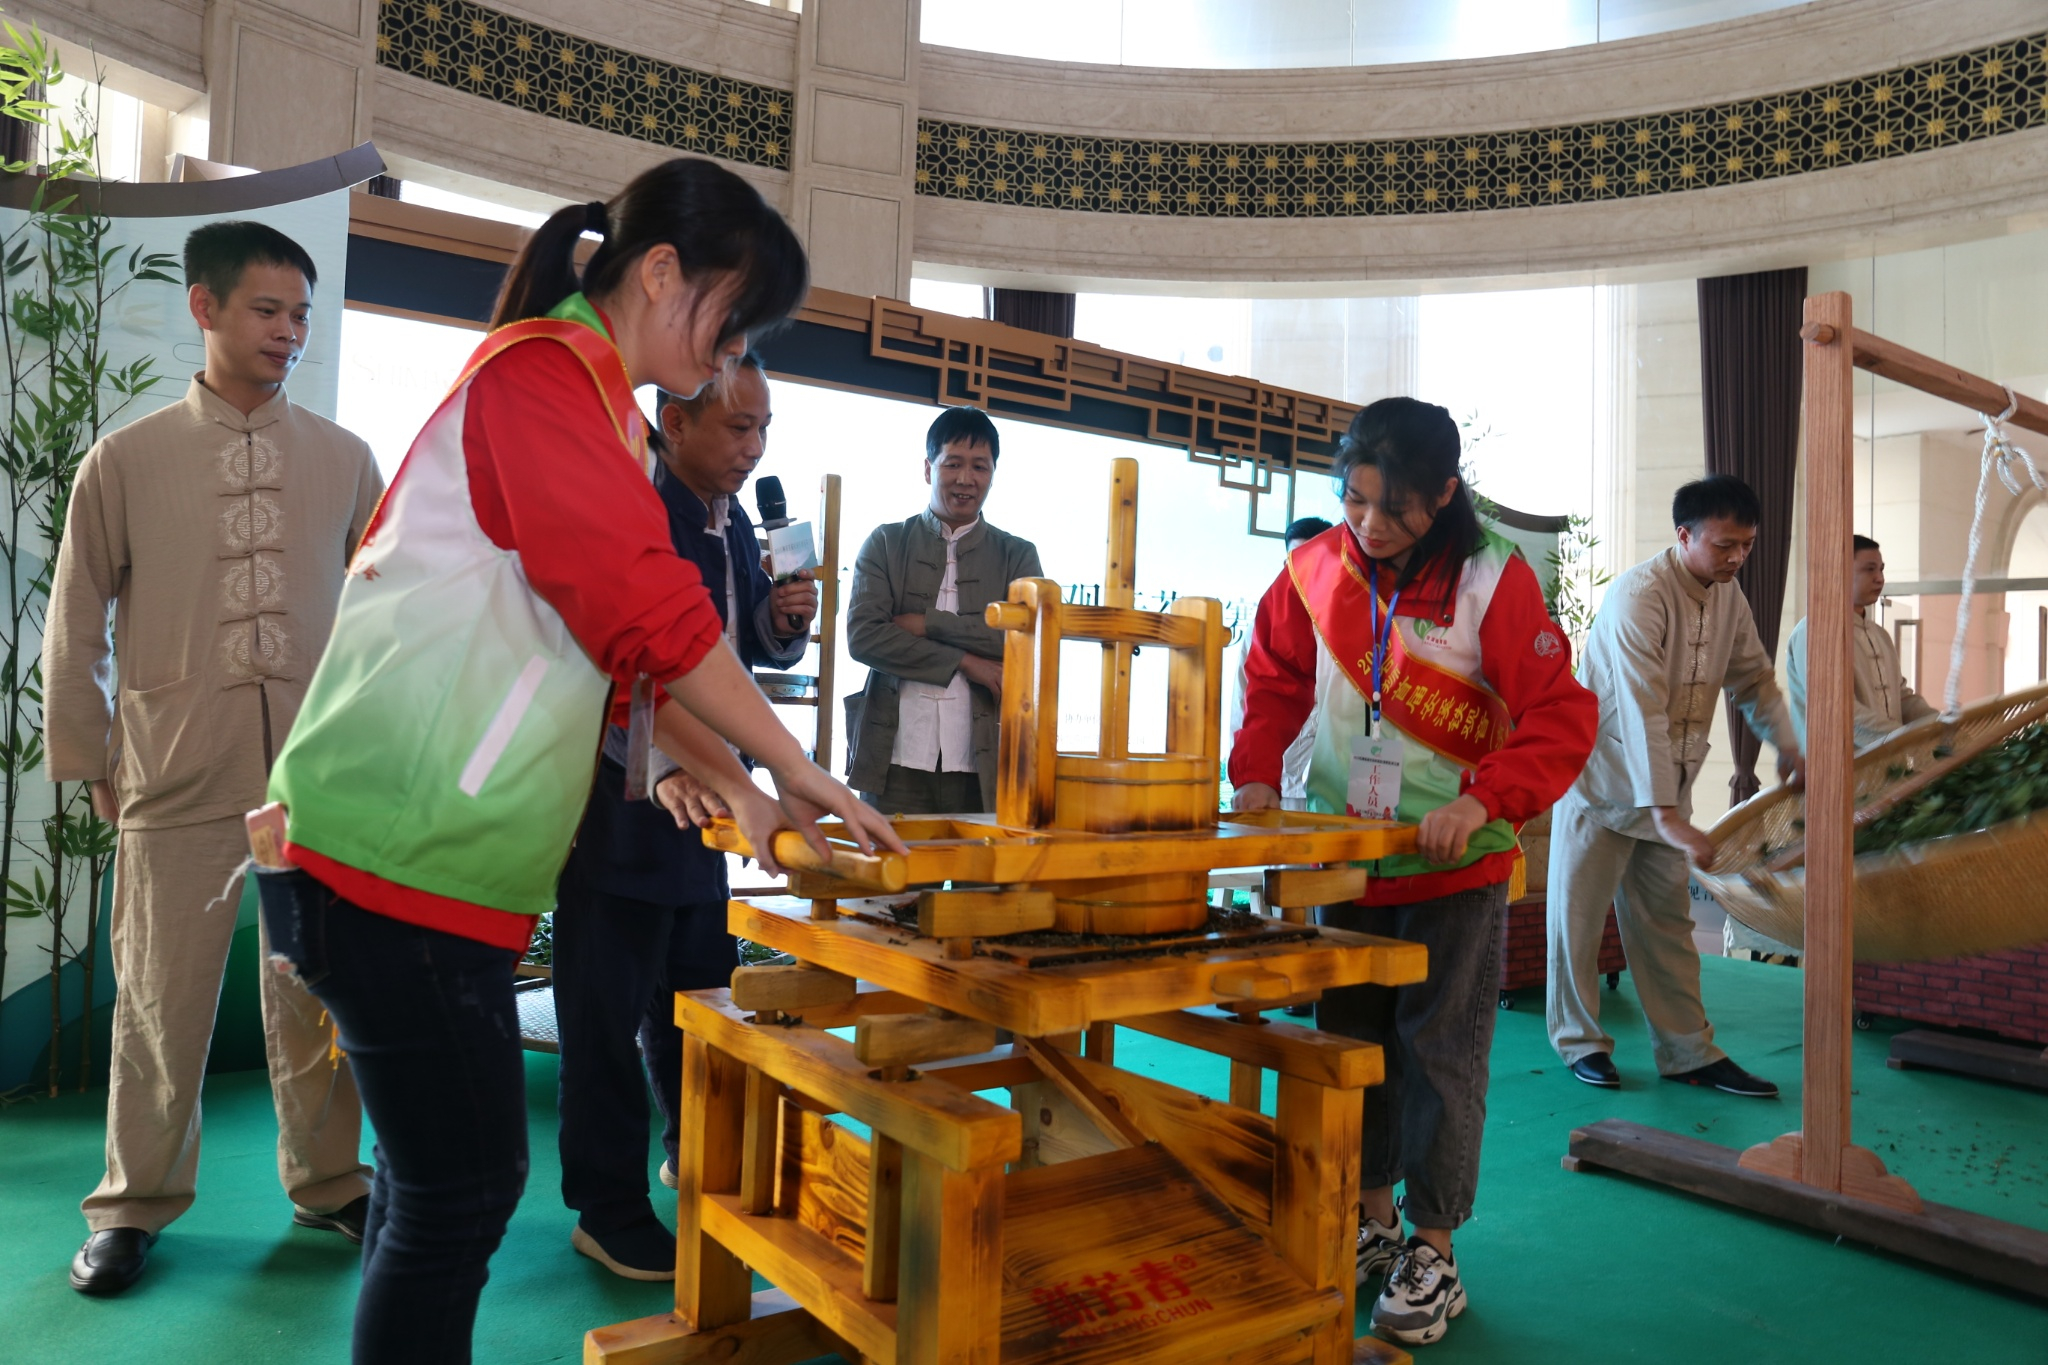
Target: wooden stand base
pixel 1863 1174
pixel 1953 1239
pixel 2013 1063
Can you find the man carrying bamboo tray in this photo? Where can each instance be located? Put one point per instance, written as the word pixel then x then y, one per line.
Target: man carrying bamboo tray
pixel 219 530
pixel 1673 634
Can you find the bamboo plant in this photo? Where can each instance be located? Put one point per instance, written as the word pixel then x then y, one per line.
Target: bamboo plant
pixel 60 273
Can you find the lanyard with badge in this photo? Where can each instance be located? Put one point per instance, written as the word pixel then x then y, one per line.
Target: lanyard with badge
pixel 1374 788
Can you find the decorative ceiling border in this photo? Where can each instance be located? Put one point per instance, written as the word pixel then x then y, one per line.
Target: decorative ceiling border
pixel 511 61
pixel 1970 96
pixel 1965 97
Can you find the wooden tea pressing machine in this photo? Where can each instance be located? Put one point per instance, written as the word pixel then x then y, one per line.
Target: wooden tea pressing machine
pixel 1105 1215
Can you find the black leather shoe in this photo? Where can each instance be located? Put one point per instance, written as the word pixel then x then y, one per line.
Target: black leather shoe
pixel 1597 1068
pixel 1730 1079
pixel 347 1220
pixel 111 1260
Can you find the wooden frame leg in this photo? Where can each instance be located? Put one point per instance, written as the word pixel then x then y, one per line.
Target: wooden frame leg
pixel 1315 1197
pixel 950 1301
pixel 713 1287
pixel 881 1263
pixel 762 1137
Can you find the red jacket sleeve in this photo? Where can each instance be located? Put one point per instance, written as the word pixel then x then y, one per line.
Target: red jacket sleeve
pixel 1527 661
pixel 549 480
pixel 1279 685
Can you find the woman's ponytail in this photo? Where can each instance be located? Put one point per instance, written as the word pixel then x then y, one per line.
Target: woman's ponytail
pixel 544 272
pixel 717 223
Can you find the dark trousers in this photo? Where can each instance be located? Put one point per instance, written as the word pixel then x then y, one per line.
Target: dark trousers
pixel 914 791
pixel 1423 1125
pixel 432 1033
pixel 618 964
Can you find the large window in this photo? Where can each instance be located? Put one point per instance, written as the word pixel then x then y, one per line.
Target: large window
pixel 394 372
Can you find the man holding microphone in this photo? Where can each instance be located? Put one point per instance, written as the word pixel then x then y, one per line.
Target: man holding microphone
pixel 641 904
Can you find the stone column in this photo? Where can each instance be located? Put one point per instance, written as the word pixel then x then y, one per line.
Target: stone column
pixel 853 156
pixel 288 81
pixel 1614 427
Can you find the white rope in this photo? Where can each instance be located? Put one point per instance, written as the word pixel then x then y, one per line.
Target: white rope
pixel 2000 454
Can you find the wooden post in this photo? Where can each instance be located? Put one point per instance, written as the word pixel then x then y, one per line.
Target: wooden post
pixel 1100 1043
pixel 713 1286
pixel 1247 1085
pixel 883 1251
pixel 761 1142
pixel 1830 779
pixel 950 1298
pixel 1029 737
pixel 1194 684
pixel 1315 1201
pixel 1820 1154
pixel 828 617
pixel 1119 589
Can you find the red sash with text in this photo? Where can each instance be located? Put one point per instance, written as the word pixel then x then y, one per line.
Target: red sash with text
pixel 1448 714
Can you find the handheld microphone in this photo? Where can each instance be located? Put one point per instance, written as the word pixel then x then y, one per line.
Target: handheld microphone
pixel 768 496
pixel 791 549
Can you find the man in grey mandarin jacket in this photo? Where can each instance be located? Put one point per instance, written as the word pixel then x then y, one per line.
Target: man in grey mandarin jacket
pixel 921 738
pixel 1673 635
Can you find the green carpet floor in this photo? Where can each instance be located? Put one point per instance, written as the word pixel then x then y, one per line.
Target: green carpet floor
pixel 1560 1268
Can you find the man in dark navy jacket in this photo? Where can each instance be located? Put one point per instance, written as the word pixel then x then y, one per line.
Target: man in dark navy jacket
pixel 640 910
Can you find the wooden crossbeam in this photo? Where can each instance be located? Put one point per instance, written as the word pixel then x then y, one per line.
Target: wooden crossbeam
pixel 1100 1110
pixel 892 1040
pixel 1903 365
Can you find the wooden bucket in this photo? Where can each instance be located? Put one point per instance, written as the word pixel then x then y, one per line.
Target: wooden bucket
pixel 1152 903
pixel 1143 793
pixel 1135 794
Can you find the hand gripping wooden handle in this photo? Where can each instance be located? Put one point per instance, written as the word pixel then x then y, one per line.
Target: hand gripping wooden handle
pixel 883 870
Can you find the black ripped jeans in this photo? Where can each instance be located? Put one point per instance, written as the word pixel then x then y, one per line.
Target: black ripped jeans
pixel 1423 1125
pixel 430 1027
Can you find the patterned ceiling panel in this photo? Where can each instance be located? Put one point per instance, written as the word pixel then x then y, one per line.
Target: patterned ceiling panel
pixel 1965 97
pixel 480 51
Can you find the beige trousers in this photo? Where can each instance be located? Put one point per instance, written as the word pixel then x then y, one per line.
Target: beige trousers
pixel 170 936
pixel 1591 867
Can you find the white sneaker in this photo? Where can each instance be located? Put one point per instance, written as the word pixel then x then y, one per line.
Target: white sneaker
pixel 1422 1295
pixel 1378 1245
pixel 668 1174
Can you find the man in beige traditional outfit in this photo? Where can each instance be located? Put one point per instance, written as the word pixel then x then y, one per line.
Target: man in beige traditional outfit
pixel 219 529
pixel 1672 635
pixel 1884 704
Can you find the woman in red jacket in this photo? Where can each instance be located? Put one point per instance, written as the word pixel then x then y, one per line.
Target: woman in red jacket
pixel 1440 693
pixel 518 574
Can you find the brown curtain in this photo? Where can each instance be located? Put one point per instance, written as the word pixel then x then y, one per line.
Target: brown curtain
pixel 1034 310
pixel 1749 377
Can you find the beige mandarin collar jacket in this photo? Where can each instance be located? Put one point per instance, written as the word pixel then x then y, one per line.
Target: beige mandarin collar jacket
pixel 1884 703
pixel 1663 650
pixel 221 541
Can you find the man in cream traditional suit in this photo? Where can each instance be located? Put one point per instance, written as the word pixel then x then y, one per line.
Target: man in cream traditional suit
pixel 1673 634
pixel 1884 703
pixel 218 530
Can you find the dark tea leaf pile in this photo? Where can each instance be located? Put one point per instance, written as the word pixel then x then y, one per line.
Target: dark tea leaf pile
pixel 1999 785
